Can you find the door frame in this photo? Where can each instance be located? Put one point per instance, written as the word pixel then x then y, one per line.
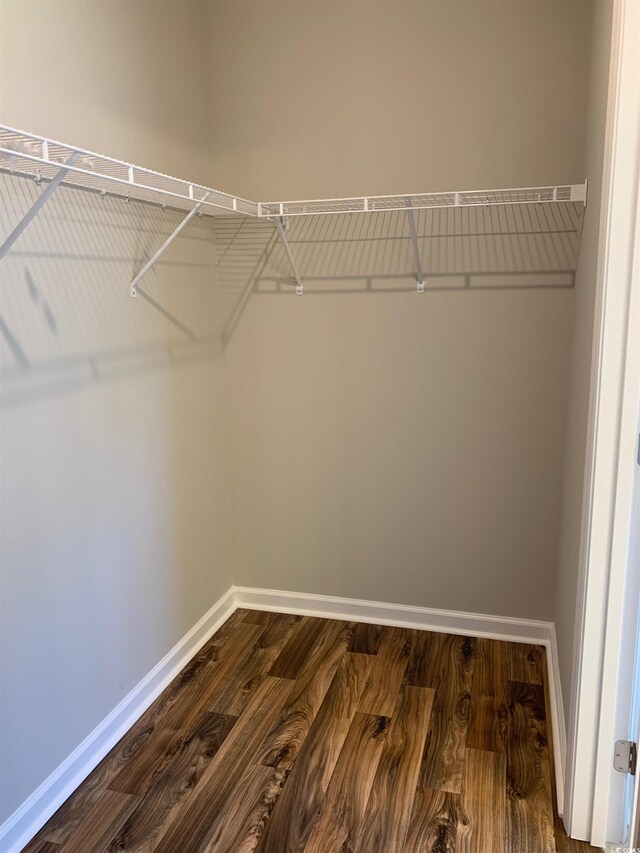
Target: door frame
pixel 615 391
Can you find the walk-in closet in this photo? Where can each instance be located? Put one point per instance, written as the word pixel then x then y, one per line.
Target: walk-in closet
pixel 305 336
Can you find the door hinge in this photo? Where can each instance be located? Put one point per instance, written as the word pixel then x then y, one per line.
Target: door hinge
pixel 625 756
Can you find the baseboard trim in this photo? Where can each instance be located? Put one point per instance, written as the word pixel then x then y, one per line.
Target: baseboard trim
pixel 22 825
pixel 430 619
pixel 28 818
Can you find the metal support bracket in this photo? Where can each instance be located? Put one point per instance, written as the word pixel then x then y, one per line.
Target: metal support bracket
pixel 283 237
pixel 37 206
pixel 145 269
pixel 414 243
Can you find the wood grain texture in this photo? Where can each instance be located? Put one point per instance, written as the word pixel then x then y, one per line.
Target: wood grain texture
pixel 526 663
pixel 93 835
pixel 258 617
pixel 245 678
pixel 341 815
pixel 292 820
pixel 197 822
pixel 367 638
pixel 386 822
pixel 451 672
pixel 488 712
pixel 387 673
pixel 167 796
pixel 434 822
pixel 75 810
pixel 139 773
pixel 528 784
pixel 301 766
pixel 36 846
pixel 240 826
pixel 481 820
pixel 301 644
pixel 284 742
pixel 423 668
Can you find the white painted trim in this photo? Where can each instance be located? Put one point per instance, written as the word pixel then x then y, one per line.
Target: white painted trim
pixel 429 619
pixel 605 519
pixel 558 722
pixel 23 824
pixel 28 818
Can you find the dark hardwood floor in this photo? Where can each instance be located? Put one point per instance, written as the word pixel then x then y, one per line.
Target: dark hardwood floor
pixel 290 733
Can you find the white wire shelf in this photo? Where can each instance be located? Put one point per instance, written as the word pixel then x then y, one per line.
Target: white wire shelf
pixel 41 159
pixel 422 201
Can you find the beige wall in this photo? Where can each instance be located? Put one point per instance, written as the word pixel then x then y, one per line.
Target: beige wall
pixel 383 447
pixel 320 99
pixel 567 604
pixel 115 488
pixel 401 448
pixel 119 77
pixel 387 446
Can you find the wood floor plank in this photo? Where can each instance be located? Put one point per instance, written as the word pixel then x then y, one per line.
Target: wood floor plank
pixel 342 812
pixel 390 804
pixel 144 827
pixel 530 821
pixel 294 656
pixel 257 617
pixel 387 673
pixel 444 754
pixel 434 822
pixel 244 680
pixel 305 766
pixel 226 631
pixel 526 663
pixel 488 712
pixel 140 772
pixel 367 638
pixel 423 669
pixel 481 820
pixel 36 846
pixel 197 822
pixel 186 684
pixel 284 742
pixel 242 823
pixel 95 831
pixel 291 823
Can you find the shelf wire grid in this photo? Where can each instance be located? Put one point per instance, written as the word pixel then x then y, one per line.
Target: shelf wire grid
pixel 41 159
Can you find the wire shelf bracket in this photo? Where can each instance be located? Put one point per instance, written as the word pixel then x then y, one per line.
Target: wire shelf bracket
pixel 28 155
pixel 46 161
pixel 145 269
pixel 37 206
pixel 283 239
pixel 416 250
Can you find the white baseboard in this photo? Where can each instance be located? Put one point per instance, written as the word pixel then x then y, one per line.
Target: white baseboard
pixel 430 619
pixel 22 825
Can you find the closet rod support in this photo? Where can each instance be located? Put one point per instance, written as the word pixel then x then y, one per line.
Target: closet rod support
pixel 37 206
pixel 145 269
pixel 283 238
pixel 414 242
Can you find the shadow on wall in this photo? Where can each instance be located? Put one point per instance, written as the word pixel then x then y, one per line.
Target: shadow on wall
pixel 480 247
pixel 67 318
